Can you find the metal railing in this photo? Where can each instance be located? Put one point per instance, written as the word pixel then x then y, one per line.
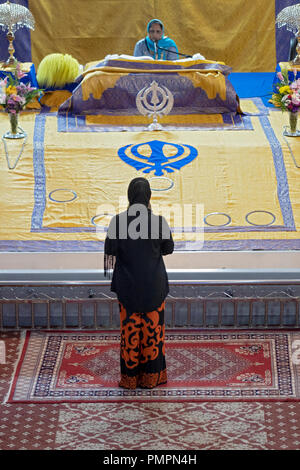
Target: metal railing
pixel 180 312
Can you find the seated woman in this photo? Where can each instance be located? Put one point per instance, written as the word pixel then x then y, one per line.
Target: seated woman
pixel 156 44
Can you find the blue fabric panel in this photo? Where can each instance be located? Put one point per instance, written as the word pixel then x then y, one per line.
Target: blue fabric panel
pixel 249 85
pixel 22 42
pixel 291 75
pixel 29 77
pixel 68 86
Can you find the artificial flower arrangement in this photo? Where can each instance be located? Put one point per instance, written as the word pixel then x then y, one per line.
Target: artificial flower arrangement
pixel 288 95
pixel 287 98
pixel 15 95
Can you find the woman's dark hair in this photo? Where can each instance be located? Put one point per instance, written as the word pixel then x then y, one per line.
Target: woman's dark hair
pixel 139 191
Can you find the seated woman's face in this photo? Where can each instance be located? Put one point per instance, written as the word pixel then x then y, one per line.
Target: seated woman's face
pixel 155 32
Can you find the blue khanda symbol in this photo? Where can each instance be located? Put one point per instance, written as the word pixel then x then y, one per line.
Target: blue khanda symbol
pixel 157 161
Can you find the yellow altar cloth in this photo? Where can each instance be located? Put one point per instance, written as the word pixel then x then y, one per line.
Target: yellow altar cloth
pixel 234 173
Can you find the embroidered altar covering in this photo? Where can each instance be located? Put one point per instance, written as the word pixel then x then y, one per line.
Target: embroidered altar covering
pixel 110 87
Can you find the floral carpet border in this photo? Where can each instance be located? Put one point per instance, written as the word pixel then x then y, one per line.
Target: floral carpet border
pixel 35 379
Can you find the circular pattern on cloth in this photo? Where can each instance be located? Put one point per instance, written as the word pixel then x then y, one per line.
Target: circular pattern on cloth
pixel 260 211
pixel 161 178
pixel 64 200
pixel 103 214
pixel 217 225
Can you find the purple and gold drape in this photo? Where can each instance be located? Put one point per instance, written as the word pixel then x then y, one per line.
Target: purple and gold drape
pixel 242 33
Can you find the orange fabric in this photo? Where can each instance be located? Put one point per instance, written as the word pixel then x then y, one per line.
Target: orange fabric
pixel 142 343
pixel 144 380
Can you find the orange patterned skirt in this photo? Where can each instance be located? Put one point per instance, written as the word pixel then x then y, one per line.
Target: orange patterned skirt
pixel 142 354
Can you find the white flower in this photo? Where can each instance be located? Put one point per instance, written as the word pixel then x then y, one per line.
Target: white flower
pixel 286 100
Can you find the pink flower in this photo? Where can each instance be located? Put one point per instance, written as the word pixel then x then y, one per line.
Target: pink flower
pixel 295 85
pixel 18 99
pixel 20 74
pixel 22 89
pixel 280 76
pixel 296 100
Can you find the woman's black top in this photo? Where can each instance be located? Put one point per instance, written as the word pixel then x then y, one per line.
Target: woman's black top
pixel 139 277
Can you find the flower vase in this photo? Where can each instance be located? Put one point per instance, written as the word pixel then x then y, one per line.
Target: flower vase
pixel 14 121
pixel 15 132
pixel 293 118
pixel 291 130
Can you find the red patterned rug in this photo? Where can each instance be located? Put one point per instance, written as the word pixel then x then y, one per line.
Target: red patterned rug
pixel 81 367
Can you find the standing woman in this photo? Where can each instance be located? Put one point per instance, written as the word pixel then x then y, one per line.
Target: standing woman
pixel 135 242
pixel 156 44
